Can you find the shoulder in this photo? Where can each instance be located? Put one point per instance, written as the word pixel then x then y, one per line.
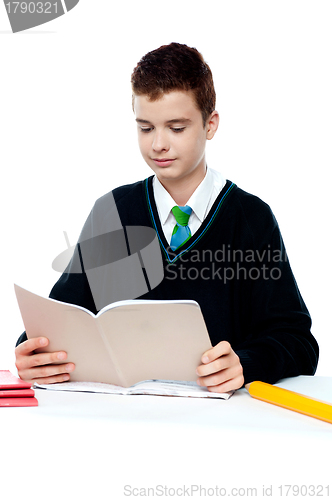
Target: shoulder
pixel 131 191
pixel 121 198
pixel 123 205
pixel 250 202
pixel 255 212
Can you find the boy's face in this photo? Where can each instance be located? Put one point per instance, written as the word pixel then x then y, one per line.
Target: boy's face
pixel 171 136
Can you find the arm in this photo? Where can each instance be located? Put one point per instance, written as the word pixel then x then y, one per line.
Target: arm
pixel 273 324
pixel 279 342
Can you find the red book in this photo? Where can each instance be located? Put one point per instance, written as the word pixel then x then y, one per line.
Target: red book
pixel 17 393
pixel 18 402
pixel 9 381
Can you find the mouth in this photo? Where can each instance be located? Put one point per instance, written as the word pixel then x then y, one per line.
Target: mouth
pixel 163 162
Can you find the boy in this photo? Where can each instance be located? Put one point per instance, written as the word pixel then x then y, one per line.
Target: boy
pixel 220 246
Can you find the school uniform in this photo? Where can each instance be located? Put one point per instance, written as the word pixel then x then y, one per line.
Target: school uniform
pixel 234 265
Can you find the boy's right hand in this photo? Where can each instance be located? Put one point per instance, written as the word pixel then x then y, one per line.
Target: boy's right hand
pixel 37 367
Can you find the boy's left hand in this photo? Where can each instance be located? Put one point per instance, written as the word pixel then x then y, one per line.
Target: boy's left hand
pixel 221 370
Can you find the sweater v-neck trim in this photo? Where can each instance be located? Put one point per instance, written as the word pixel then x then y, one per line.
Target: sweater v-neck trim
pixel 152 208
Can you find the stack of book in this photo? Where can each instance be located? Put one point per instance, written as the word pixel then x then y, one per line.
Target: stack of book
pixel 14 391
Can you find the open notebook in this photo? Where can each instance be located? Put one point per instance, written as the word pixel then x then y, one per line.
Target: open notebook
pixel 147 387
pixel 126 343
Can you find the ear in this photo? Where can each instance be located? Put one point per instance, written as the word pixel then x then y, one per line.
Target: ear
pixel 212 124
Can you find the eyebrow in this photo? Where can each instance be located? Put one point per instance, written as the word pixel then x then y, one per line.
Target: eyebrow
pixel 169 122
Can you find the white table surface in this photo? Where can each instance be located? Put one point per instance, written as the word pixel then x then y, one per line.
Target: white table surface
pixel 83 445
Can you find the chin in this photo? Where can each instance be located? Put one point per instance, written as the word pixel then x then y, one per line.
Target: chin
pixel 168 175
pixel 167 172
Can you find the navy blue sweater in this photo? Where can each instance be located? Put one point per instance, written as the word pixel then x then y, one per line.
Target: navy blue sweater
pixel 236 267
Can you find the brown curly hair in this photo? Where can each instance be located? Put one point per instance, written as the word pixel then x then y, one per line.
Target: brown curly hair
pixel 175 67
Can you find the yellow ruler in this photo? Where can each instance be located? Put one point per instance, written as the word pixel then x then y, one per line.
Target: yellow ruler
pixel 290 400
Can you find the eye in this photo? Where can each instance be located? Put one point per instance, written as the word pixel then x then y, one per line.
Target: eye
pixel 178 129
pixel 145 129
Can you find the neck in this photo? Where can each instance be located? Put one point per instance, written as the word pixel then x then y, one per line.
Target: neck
pixel 182 189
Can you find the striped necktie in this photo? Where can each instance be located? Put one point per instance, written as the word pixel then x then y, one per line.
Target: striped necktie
pixel 181 232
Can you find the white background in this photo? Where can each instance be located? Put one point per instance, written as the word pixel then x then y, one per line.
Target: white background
pixel 68 135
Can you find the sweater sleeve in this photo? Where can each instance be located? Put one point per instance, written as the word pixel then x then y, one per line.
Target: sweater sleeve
pixel 278 341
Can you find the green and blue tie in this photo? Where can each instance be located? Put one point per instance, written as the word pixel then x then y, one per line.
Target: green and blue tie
pixel 181 232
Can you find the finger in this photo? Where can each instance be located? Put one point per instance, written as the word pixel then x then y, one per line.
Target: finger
pixel 43 358
pixel 213 367
pixel 48 371
pixel 229 385
pixel 218 350
pixel 221 363
pixel 30 345
pixel 221 377
pixel 56 379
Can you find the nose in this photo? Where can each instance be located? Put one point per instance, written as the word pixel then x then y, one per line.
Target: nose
pixel 160 141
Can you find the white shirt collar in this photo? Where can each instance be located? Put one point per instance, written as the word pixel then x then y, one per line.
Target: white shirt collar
pixel 198 201
pixel 163 200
